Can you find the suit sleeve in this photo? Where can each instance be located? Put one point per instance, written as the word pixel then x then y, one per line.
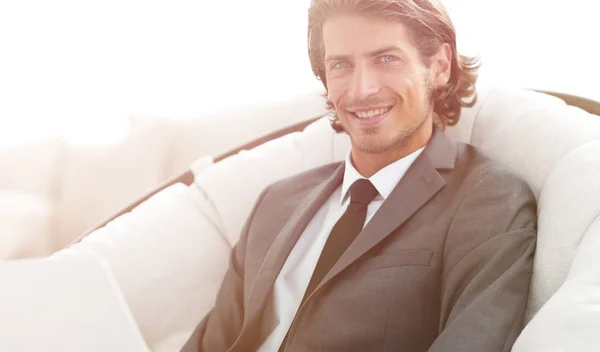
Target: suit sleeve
pixel 488 260
pixel 220 328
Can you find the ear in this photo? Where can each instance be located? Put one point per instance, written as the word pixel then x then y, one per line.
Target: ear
pixel 441 65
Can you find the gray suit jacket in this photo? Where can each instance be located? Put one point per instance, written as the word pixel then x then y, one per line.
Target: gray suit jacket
pixel 444 265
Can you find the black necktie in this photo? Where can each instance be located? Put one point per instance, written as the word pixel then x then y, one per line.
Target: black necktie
pixel 343 233
pixel 345 230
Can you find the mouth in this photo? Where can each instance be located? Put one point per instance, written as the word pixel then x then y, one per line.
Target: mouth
pixel 371 117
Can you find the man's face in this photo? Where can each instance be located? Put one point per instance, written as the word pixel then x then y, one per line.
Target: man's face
pixel 376 81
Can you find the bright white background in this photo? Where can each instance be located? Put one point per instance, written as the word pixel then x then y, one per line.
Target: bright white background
pixel 80 68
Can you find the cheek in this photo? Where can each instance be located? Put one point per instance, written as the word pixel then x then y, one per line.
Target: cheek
pixel 335 93
pixel 397 80
pixel 405 84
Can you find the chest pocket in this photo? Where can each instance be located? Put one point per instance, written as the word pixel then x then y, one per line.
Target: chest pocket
pixel 408 257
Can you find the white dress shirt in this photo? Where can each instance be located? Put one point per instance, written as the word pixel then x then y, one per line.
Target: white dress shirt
pixel 292 282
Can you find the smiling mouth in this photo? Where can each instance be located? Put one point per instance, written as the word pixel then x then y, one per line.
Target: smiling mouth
pixel 371 114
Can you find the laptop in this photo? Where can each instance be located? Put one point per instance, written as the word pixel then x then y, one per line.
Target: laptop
pixel 72 304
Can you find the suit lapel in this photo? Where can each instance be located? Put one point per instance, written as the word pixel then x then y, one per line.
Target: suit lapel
pixel 285 241
pixel 420 183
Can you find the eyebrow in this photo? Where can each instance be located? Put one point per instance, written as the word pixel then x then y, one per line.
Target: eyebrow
pixel 371 54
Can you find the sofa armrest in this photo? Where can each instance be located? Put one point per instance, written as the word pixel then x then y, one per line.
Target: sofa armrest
pixel 570 320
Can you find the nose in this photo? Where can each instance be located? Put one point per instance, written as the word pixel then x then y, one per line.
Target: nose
pixel 364 83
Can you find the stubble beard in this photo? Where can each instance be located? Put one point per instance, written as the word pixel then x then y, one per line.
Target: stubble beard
pixel 372 145
pixel 369 143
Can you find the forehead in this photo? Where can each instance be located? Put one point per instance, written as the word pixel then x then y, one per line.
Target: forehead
pixel 357 35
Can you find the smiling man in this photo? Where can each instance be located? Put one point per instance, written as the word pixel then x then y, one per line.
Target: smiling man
pixel 413 243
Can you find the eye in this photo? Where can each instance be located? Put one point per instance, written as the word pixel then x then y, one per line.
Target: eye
pixel 340 65
pixel 387 58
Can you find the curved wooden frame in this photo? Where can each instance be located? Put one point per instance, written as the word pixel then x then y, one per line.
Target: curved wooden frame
pixel 187 177
pixel 588 105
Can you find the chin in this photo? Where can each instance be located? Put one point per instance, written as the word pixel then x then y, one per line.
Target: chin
pixel 372 144
pixel 377 143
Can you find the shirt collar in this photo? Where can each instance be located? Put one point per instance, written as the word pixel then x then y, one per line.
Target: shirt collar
pixel 385 180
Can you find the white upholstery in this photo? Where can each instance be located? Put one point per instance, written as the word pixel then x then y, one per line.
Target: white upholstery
pixel 243 176
pixel 170 253
pixel 24 220
pixel 71 305
pixel 27 212
pixel 570 320
pixel 29 168
pixel 89 178
pixel 168 256
pixel 85 182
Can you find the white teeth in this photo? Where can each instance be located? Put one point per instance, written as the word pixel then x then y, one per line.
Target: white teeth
pixel 371 113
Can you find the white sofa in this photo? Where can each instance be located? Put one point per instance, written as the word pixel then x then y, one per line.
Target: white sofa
pixel 52 191
pixel 170 253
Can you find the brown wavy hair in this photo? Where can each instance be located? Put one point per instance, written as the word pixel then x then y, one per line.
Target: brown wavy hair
pixel 429 26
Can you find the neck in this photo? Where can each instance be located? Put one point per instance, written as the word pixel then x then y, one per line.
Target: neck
pixel 368 164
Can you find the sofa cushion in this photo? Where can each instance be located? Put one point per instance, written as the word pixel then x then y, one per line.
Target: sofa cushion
pixel 168 258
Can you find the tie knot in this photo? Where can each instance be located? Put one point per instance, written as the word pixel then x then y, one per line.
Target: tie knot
pixel 362 192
